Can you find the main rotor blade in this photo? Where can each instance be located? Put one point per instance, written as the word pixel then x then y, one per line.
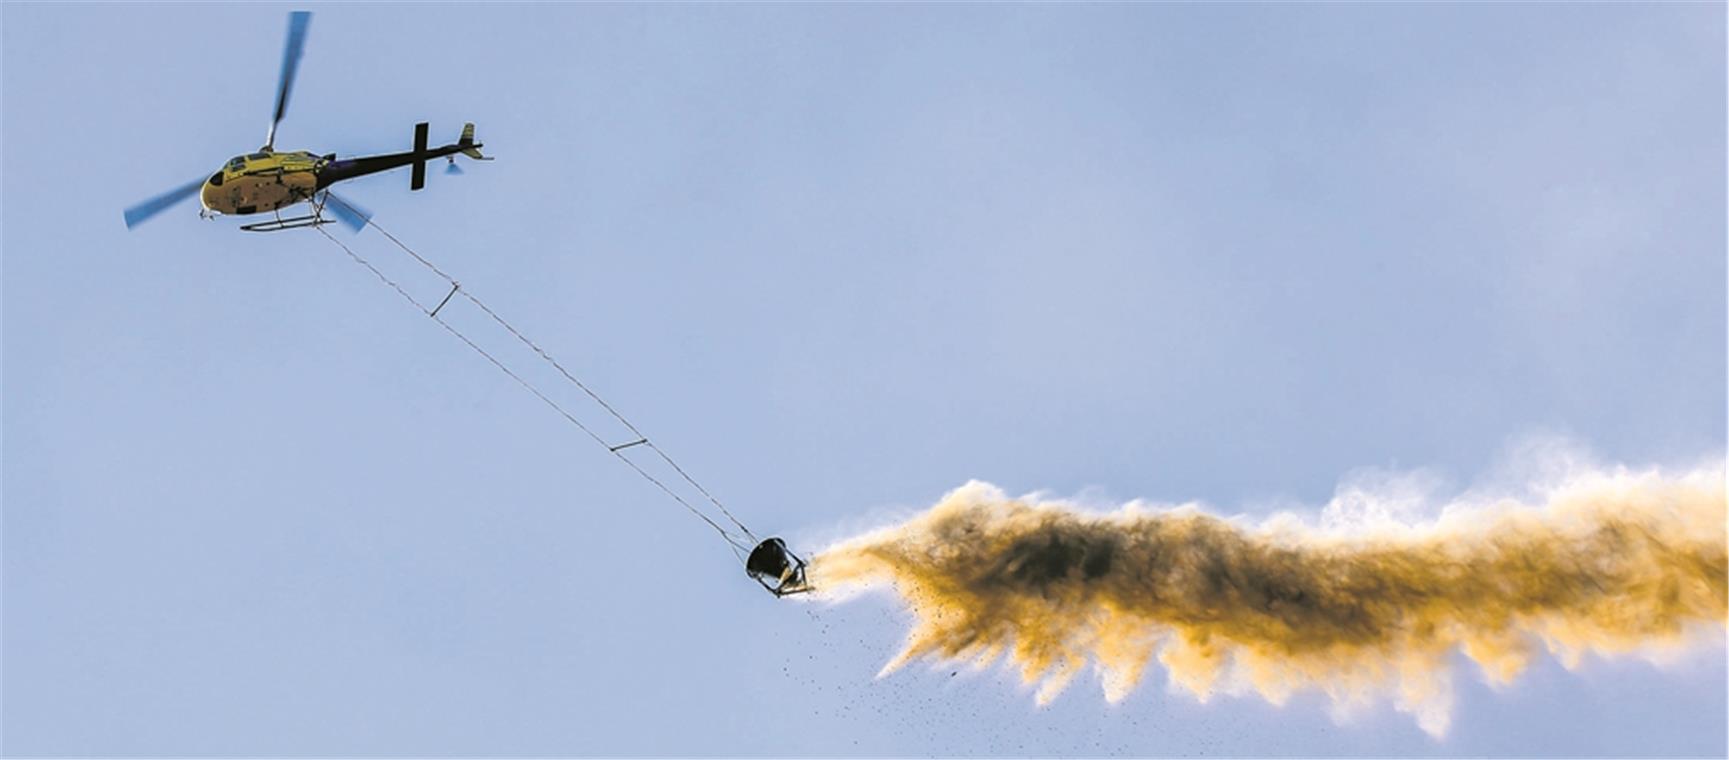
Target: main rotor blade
pixel 135 215
pixel 345 211
pixel 297 23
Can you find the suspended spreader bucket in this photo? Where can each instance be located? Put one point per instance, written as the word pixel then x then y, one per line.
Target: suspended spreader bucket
pixel 777 568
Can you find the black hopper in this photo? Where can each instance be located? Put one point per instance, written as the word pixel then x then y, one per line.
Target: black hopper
pixel 777 568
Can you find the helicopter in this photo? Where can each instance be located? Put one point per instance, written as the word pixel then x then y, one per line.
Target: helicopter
pixel 267 181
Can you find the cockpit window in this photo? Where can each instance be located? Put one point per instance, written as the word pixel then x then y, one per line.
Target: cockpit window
pixel 238 163
pixel 258 156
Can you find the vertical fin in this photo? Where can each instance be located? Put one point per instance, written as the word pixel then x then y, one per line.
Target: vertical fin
pixel 467 144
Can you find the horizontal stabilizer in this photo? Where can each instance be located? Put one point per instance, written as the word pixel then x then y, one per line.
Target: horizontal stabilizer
pixel 418 181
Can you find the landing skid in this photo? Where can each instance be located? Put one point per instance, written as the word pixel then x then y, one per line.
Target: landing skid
pixel 279 224
pixel 314 219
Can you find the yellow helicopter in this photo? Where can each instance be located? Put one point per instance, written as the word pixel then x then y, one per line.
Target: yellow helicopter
pixel 266 182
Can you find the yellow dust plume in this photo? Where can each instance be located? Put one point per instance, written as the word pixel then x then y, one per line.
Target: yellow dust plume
pixel 1611 563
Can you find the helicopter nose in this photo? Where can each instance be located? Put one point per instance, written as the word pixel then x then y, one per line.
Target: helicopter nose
pixel 207 194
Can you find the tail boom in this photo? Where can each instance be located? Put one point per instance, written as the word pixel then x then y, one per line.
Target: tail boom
pixel 337 170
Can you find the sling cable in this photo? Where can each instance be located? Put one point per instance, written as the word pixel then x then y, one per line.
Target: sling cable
pixel 769 561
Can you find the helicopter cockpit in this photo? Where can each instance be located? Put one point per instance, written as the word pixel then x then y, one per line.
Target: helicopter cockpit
pixel 238 163
pixel 235 165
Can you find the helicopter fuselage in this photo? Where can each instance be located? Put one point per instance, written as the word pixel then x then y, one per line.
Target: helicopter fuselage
pixel 262 182
pixel 267 181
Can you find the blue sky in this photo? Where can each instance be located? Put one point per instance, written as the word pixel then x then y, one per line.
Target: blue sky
pixel 838 260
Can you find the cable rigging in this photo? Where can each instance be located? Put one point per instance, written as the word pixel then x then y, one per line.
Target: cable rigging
pixel 641 438
pixel 735 542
